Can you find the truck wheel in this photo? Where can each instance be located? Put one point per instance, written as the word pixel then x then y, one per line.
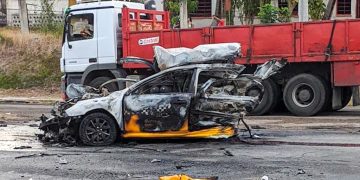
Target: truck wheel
pixel 269 100
pixel 346 97
pixel 97 82
pixel 305 95
pixel 97 129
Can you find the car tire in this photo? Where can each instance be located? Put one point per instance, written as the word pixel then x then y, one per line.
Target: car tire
pixel 346 97
pixel 269 99
pixel 97 129
pixel 305 95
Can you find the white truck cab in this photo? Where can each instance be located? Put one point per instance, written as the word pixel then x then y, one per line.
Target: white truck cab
pixel 92 42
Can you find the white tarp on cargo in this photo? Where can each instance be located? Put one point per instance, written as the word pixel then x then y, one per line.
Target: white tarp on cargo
pixel 207 53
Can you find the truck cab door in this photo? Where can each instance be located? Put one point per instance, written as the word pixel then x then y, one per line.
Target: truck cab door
pixel 159 104
pixel 81 41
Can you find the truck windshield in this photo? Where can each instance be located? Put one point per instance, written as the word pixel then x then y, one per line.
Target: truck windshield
pixel 81 27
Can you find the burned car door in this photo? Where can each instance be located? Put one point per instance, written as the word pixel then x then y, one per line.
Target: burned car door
pixel 219 101
pixel 159 104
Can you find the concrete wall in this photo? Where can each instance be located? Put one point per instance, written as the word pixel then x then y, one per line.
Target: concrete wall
pixel 34 10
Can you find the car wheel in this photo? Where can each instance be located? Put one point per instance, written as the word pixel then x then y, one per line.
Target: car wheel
pixel 97 129
pixel 305 95
pixel 269 99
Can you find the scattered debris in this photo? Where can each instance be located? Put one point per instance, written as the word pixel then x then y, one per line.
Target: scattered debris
pixel 155 160
pixel 182 166
pixel 145 148
pixel 3 124
pixel 22 147
pixel 257 127
pixel 33 125
pixel 44 154
pixel 228 153
pixel 256 136
pixel 301 171
pixel 26 156
pixel 63 161
pixel 185 177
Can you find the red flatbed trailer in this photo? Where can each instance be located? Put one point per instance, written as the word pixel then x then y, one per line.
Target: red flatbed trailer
pixel 322 52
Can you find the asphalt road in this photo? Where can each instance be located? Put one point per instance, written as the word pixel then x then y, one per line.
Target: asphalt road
pixel 322 147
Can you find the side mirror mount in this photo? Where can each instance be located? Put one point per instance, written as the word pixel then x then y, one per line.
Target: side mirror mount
pixel 67 29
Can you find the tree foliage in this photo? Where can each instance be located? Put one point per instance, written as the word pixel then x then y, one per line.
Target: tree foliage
pixel 271 14
pixel 247 9
pixel 174 7
pixel 317 9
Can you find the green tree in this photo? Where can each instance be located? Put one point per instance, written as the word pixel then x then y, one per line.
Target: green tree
pixel 317 9
pixel 284 14
pixel 247 9
pixel 268 14
pixel 174 7
pixel 47 13
pixel 48 19
pixel 271 14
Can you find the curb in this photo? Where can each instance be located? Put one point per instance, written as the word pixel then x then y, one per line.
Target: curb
pixel 17 100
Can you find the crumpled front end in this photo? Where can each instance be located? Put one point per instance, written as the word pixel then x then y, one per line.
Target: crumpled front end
pixel 63 123
pixel 58 127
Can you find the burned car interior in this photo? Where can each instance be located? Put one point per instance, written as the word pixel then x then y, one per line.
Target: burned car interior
pixel 193 96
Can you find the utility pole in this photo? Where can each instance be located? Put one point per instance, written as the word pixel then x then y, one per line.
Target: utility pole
pixel 3 6
pixel 329 9
pixel 183 14
pixel 24 21
pixel 303 10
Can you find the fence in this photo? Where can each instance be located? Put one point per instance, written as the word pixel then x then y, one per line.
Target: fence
pixel 35 17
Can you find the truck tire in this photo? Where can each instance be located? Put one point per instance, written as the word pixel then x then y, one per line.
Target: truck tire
pixel 328 100
pixel 346 97
pixel 269 100
pixel 97 82
pixel 97 129
pixel 305 95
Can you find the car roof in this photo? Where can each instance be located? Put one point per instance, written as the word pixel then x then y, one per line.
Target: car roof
pixel 203 67
pixel 217 66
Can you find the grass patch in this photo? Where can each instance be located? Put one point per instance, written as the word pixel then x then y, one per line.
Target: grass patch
pixel 30 60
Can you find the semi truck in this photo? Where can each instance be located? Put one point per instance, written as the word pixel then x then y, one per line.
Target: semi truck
pixel 102 39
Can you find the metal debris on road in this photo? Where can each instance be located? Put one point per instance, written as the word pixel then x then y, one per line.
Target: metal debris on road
pixel 3 124
pixel 301 171
pixel 155 160
pixel 63 161
pixel 228 153
pixel 22 147
pixel 33 125
pixel 185 177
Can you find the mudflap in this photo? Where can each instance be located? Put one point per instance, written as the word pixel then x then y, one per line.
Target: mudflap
pixel 58 129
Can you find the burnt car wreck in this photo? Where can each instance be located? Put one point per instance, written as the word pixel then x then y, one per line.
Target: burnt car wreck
pixel 199 93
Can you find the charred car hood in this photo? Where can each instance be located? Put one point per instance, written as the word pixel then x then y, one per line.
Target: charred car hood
pixel 111 103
